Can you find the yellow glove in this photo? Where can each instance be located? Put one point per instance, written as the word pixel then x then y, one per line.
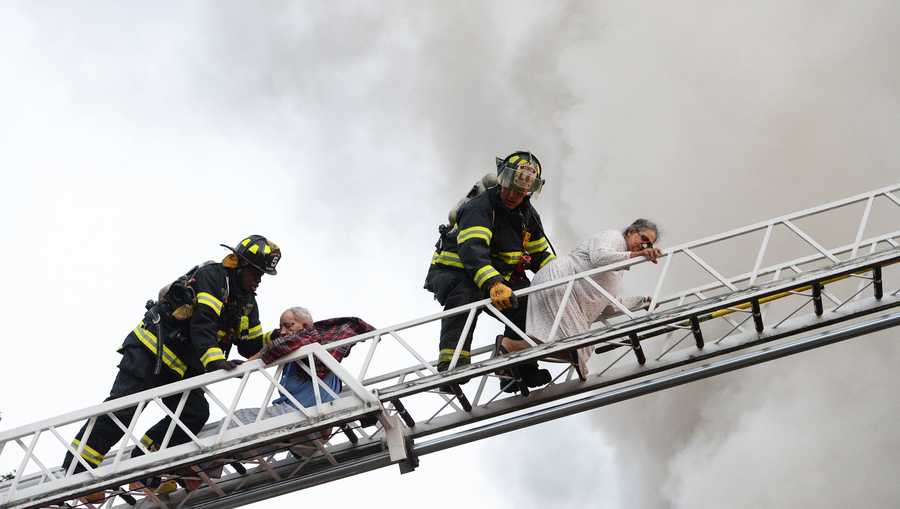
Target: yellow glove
pixel 502 297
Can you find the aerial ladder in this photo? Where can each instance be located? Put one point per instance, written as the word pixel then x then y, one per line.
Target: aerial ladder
pixel 721 303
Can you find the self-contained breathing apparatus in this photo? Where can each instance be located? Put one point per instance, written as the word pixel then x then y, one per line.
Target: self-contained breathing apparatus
pixel 485 183
pixel 175 303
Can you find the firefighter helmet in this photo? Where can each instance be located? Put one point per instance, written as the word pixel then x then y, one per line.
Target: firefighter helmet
pixel 521 171
pixel 257 252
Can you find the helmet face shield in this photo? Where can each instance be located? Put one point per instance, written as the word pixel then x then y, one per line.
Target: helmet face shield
pixel 524 177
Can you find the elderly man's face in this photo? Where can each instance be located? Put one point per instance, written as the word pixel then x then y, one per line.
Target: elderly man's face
pixel 291 324
pixel 640 239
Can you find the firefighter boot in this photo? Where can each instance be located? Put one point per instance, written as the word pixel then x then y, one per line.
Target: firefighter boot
pixel 532 376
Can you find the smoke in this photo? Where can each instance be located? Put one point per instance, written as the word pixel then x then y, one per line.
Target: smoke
pixel 345 132
pixel 715 115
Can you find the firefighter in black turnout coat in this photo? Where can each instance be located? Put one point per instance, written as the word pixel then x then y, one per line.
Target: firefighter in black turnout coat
pixel 497 237
pixel 201 315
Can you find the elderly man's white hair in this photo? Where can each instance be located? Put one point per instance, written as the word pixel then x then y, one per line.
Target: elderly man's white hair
pixel 301 313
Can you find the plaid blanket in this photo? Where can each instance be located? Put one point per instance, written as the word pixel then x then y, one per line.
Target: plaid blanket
pixel 322 332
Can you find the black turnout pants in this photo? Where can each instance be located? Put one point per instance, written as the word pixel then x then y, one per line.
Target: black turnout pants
pixel 136 375
pixel 454 288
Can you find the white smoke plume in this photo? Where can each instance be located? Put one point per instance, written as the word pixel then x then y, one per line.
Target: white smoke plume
pixel 349 129
pixel 706 116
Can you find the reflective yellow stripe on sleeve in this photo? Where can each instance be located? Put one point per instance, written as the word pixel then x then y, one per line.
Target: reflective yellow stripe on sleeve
pixel 255 332
pixel 212 354
pixel 509 257
pixel 88 453
pixel 245 324
pixel 211 301
pixel 537 246
pixel 483 274
pixel 169 358
pixel 267 337
pixel 547 260
pixel 447 258
pixel 475 232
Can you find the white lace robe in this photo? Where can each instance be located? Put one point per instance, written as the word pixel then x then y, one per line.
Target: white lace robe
pixel 586 304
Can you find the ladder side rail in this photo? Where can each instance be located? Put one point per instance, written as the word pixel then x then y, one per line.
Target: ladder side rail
pixel 101 473
pixel 646 323
pixel 410 369
pixel 627 263
pixel 586 276
pixel 254 435
pixel 632 373
pixel 208 378
pixel 140 401
pixel 204 380
pixel 179 387
pixel 813 258
pixel 763 293
pixel 669 380
pixel 541 410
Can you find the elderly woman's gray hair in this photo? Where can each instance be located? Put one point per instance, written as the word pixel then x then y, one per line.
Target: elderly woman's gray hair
pixel 300 313
pixel 642 224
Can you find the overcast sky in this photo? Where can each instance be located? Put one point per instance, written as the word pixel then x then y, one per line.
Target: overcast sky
pixel 136 137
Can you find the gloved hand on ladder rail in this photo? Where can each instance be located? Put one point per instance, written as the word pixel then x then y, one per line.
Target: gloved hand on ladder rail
pixel 502 297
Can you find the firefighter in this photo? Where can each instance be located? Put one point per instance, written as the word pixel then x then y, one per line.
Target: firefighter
pixel 497 237
pixel 202 315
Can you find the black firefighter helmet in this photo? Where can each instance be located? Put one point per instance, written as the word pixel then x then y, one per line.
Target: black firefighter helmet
pixel 257 252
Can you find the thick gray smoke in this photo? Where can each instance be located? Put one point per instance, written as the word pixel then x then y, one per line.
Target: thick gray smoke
pixel 348 130
pixel 706 117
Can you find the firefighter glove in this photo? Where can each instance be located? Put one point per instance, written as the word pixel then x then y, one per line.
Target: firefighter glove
pixel 502 297
pixel 227 365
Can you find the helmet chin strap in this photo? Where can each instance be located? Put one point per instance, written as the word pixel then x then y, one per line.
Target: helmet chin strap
pixel 238 275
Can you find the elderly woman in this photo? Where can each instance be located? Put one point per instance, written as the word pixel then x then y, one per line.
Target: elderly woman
pixel 586 304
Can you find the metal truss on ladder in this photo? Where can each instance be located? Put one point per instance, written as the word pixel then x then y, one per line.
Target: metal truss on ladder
pixel 746 308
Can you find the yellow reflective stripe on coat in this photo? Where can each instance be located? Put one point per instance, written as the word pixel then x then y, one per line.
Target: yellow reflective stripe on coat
pixel 88 453
pixel 212 354
pixel 483 274
pixel 509 257
pixel 147 441
pixel 267 337
pixel 254 332
pixel 475 232
pixel 447 258
pixel 169 358
pixel 245 324
pixel 537 246
pixel 546 260
pixel 211 301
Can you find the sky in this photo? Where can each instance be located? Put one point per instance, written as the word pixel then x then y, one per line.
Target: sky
pixel 135 138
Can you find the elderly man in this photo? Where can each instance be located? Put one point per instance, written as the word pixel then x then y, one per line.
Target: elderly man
pixel 297 329
pixel 586 304
pixel 498 236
